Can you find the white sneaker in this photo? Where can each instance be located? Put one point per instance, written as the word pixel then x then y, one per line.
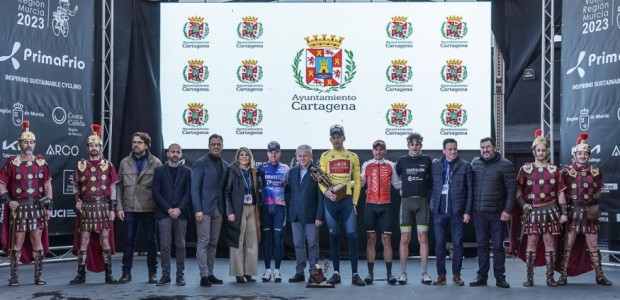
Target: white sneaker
pixel 426 279
pixel 276 276
pixel 267 276
pixel 402 279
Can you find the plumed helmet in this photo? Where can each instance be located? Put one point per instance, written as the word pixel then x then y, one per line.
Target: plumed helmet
pixel 581 143
pixel 26 133
pixel 95 137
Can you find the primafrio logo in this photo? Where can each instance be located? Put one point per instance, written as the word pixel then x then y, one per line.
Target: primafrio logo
pixel 399 28
pixel 14 60
pixel 454 72
pixel 454 28
pixel 328 68
pixel 399 72
pixel 250 28
pixel 454 115
pixel 584 119
pixel 249 71
pixel 195 71
pixel 249 115
pixel 195 115
pixel 398 115
pixel 195 28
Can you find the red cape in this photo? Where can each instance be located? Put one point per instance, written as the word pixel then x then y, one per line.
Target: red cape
pixel 26 256
pixel 579 262
pixel 94 259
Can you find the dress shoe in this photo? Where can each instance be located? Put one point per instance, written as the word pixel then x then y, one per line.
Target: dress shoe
pixel 357 280
pixel 215 280
pixel 249 278
pixel 441 280
pixel 456 280
pixel 125 278
pixel 152 278
pixel 204 281
pixel 479 281
pixel 181 280
pixel 297 278
pixel 164 280
pixel 240 279
pixel 501 282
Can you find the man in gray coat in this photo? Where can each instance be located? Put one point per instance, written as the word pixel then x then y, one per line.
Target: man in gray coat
pixel 135 203
pixel 207 187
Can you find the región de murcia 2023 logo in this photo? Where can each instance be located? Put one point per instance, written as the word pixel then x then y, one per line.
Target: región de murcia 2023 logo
pixel 453 117
pixel 398 31
pixel 328 68
pixel 454 29
pixel 454 73
pixel 195 73
pixel 195 31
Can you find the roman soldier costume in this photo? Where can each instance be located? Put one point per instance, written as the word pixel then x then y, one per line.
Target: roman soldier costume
pixel 93 183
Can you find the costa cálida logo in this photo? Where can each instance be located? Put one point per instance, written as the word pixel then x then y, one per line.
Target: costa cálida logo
pixel 249 72
pixel 398 115
pixel 249 115
pixel 195 28
pixel 195 115
pixel 327 67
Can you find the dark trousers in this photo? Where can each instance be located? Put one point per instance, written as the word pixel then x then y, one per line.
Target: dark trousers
pixel 131 223
pixel 272 218
pixel 489 226
pixel 168 228
pixel 443 223
pixel 341 211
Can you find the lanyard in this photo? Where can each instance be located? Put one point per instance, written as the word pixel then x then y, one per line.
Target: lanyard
pixel 246 182
pixel 446 167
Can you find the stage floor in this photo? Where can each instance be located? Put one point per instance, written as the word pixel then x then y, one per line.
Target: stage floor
pixel 58 275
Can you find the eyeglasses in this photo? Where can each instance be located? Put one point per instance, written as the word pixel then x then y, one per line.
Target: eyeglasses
pixel 138 142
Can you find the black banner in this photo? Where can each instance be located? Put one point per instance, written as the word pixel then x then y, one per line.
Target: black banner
pixel 591 94
pixel 46 68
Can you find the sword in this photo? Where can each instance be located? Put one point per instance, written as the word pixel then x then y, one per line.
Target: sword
pixel 12 228
pixel 524 218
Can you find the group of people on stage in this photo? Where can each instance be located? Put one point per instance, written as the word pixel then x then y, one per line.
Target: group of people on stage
pixel 246 203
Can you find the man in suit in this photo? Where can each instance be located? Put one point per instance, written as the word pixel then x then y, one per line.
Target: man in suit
pixel 171 193
pixel 207 189
pixel 306 213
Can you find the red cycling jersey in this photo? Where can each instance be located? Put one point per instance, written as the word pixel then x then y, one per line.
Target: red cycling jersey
pixel 378 175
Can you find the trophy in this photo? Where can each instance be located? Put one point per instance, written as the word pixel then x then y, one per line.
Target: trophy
pixel 340 190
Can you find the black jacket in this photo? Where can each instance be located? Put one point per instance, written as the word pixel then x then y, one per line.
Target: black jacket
pixel 233 197
pixel 495 184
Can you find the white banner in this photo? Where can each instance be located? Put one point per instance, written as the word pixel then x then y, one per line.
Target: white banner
pixel 287 72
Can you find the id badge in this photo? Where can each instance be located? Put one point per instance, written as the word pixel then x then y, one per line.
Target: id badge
pixel 247 199
pixel 444 190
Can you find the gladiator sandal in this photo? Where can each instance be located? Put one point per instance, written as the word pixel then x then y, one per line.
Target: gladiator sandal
pixel 595 257
pixel 14 281
pixel 550 260
pixel 81 270
pixel 530 257
pixel 107 259
pixel 563 280
pixel 38 267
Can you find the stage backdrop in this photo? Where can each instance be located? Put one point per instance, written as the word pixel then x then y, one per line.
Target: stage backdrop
pixel 46 68
pixel 259 72
pixel 591 94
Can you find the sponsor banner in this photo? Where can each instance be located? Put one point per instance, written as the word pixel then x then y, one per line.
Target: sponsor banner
pixel 46 69
pixel 591 93
pixel 265 72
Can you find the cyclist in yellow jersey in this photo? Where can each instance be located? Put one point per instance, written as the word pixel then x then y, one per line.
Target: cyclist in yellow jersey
pixel 343 167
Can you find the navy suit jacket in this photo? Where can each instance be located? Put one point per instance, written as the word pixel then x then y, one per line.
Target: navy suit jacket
pixel 207 190
pixel 171 194
pixel 306 204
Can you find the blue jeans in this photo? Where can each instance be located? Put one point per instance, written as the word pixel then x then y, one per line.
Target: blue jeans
pixel 489 226
pixel 132 220
pixel 272 218
pixel 441 222
pixel 341 211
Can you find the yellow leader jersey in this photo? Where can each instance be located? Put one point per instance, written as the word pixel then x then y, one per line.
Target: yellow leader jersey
pixel 343 166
